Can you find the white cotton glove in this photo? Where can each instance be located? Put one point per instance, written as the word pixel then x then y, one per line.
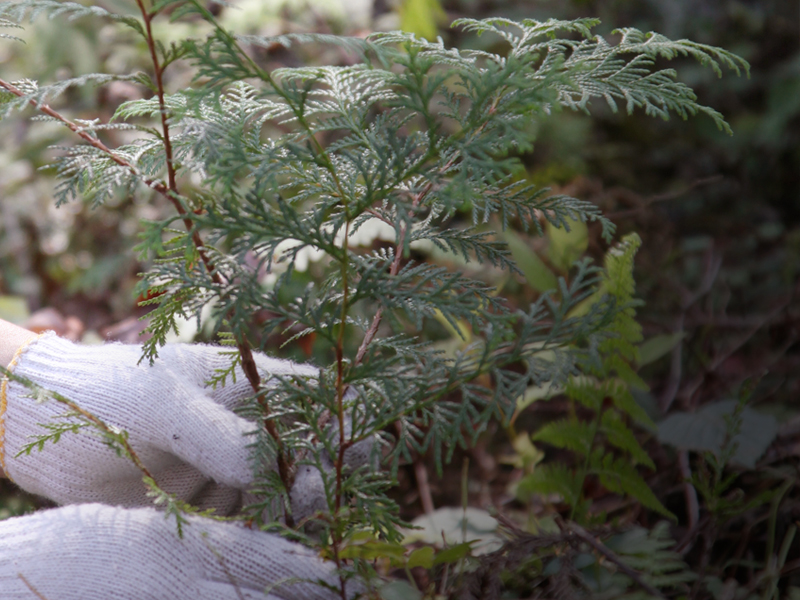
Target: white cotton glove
pixel 184 432
pixel 96 552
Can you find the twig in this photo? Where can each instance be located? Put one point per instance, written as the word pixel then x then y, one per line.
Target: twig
pixel 579 532
pixel 29 585
pixel 221 560
pixel 488 468
pixel 790 566
pixel 154 184
pixel 713 265
pixel 398 254
pixel 674 378
pixel 720 358
pixel 158 70
pixel 421 475
pixel 727 322
pixel 248 362
pixel 690 493
pixel 664 197
pixel 93 419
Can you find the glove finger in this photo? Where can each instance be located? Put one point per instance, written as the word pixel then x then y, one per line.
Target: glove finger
pixel 225 501
pixel 255 560
pixel 212 590
pixel 210 438
pixel 360 453
pixel 233 392
pixel 308 492
pixel 202 363
pixel 181 480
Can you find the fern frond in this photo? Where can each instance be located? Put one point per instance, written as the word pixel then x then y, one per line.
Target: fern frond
pixel 571 434
pixel 585 391
pixel 620 476
pixel 552 478
pixel 649 553
pixel 619 435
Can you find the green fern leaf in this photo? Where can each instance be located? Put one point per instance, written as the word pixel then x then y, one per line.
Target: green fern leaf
pixel 619 393
pixel 586 391
pixel 567 433
pixel 551 479
pixel 619 435
pixel 618 475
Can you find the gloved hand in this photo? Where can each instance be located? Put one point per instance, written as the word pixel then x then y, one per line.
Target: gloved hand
pixel 184 432
pixel 96 552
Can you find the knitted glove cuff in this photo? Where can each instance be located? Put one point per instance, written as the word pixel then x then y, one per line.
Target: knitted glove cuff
pixel 4 393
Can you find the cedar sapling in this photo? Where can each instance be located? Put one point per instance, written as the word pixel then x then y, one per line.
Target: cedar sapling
pixel 405 136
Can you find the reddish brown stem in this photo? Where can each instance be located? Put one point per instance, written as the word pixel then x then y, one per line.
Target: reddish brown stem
pixel 248 362
pixel 33 590
pixel 155 184
pixel 424 488
pixel 170 191
pixel 395 266
pixel 340 379
pixel 573 530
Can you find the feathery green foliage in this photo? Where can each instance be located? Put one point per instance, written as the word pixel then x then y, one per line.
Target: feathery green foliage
pixel 410 136
pixel 605 444
pixel 650 553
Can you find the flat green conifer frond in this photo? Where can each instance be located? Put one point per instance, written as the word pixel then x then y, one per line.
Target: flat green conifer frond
pixel 351 202
pixel 35 94
pixel 593 68
pixel 18 11
pixel 11 25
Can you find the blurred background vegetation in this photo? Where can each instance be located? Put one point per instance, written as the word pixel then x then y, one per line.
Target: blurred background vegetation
pixel 719 217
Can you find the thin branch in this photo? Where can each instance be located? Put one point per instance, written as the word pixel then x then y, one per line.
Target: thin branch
pixel 29 585
pixel 340 374
pixel 170 192
pixel 790 567
pixel 162 105
pixel 425 496
pixel 95 421
pixel 579 532
pixel 689 491
pixel 665 197
pixel 401 242
pixel 688 299
pixel 154 184
pixel 248 362
pixel 395 267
